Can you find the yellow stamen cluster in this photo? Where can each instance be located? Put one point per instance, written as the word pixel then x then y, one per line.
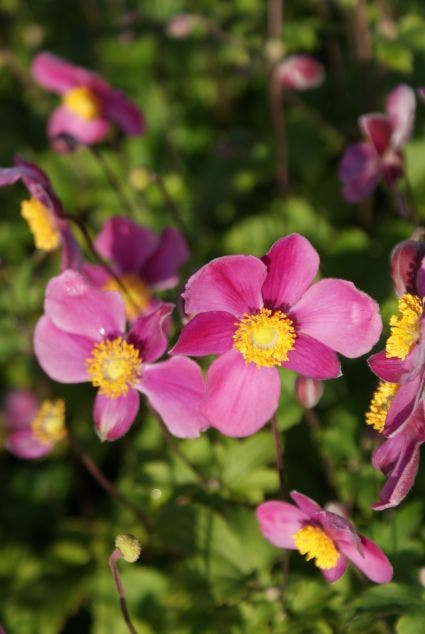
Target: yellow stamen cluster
pixel 265 338
pixel 404 327
pixel 49 424
pixel 129 546
pixel 83 102
pixel 114 366
pixel 136 296
pixel 313 542
pixel 380 404
pixel 41 224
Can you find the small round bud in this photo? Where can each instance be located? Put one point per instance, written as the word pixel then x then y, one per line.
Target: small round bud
pixel 129 546
pixel 405 261
pixel 139 178
pixel 308 392
pixel 300 72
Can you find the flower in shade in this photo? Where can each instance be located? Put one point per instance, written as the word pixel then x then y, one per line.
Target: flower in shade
pixel 89 103
pixel 81 337
pixel 299 72
pixel 33 428
pixel 142 260
pixel 43 212
pixel 262 314
pixel 380 155
pixel 327 538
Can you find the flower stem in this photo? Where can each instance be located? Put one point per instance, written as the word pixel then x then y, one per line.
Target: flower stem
pixel 112 179
pixel 278 455
pixel 169 203
pixel 116 554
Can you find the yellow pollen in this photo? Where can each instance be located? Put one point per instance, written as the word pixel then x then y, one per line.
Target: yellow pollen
pixel 41 224
pixel 136 296
pixel 265 338
pixel 380 404
pixel 313 542
pixel 404 327
pixel 114 366
pixel 83 102
pixel 49 424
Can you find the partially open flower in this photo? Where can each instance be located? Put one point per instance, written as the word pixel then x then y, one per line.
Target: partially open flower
pixel 405 260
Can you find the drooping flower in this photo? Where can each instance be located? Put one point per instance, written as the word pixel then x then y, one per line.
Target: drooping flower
pixel 143 261
pixel 300 72
pixel 259 315
pixel 89 103
pixel 43 212
pixel 32 428
pixel 81 337
pixel 326 537
pixel 380 156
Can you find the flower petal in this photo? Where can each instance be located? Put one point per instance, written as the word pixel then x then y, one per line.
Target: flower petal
pixel 58 75
pixel 127 244
pixel 333 574
pixel 87 131
pixel 305 503
pixel 72 257
pixel 300 72
pixel 114 417
pixel 161 270
pixel 359 171
pixel 279 521
pixel 147 333
pixel 206 333
pixel 387 368
pixel 21 406
pixel 119 109
pixel 369 559
pixel 403 405
pixel 313 359
pixel 23 444
pixel 378 129
pixel 401 106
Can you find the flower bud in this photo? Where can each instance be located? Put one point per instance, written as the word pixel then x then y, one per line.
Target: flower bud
pixel 405 261
pixel 183 24
pixel 129 546
pixel 308 392
pixel 300 72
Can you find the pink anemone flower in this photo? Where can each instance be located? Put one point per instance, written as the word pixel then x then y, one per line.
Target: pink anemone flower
pixel 43 212
pixel 300 72
pixel 33 428
pixel 81 337
pixel 89 103
pixel 144 262
pixel 327 538
pixel 260 315
pixel 363 164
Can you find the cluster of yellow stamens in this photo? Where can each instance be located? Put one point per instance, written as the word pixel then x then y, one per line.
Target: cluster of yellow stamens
pixel 49 424
pixel 114 366
pixel 136 295
pixel 313 542
pixel 83 102
pixel 404 327
pixel 380 404
pixel 41 224
pixel 265 338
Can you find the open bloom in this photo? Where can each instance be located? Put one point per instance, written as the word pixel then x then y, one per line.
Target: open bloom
pixel 363 164
pixel 327 538
pixel 143 261
pixel 300 72
pixel 33 428
pixel 81 337
pixel 89 103
pixel 43 211
pixel 259 315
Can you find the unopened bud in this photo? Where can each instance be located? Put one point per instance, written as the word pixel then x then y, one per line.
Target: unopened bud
pixel 405 261
pixel 183 24
pixel 308 391
pixel 129 546
pixel 300 72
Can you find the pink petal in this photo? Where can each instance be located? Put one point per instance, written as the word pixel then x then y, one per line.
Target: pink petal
pixel 241 397
pixel 403 405
pixel 371 561
pixel 72 257
pixel 313 359
pixel 206 333
pixel 147 333
pixel 61 355
pixel 96 274
pixel 279 521
pixel 305 503
pixel 333 574
pixel 174 390
pixel 23 444
pixel 58 75
pixel 405 261
pixel 359 171
pixel 119 109
pixel 87 131
pixel 388 369
pixel 336 313
pixel 292 263
pixel 127 244
pixel 161 270
pixel 401 106
pixel 21 406
pixel 300 72
pixel 114 417
pixel 231 283
pixel 79 308
pixel 378 129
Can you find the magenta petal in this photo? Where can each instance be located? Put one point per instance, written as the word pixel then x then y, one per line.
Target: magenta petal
pixel 359 171
pixel 207 333
pixel 23 444
pixel 279 521
pixel 371 560
pixel 333 574
pixel 305 503
pixel 147 333
pixel 292 263
pixel 403 405
pixel 313 359
pixel 388 369
pixel 300 72
pixel 241 397
pixel 21 406
pixel 123 112
pixel 336 313
pixel 401 106
pixel 72 257
pixel 127 244
pixel 161 270
pixel 96 274
pixel 398 458
pixel 377 127
pixel 10 175
pixel 231 284
pixel 87 131
pixel 56 74
pixel 114 417
pixel 175 389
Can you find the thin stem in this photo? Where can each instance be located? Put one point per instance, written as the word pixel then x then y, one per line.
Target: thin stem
pixel 274 18
pixel 276 104
pixel 278 455
pixel 112 179
pixel 169 202
pixel 120 589
pixel 404 209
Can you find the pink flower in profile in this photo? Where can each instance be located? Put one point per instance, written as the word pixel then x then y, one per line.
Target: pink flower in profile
pixel 380 156
pixel 300 72
pixel 43 212
pixel 32 428
pixel 144 261
pixel 260 315
pixel 81 337
pixel 326 537
pixel 89 103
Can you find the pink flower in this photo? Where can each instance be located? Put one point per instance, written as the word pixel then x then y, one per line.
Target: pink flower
pixel 259 315
pixel 363 164
pixel 327 538
pixel 43 212
pixel 144 262
pixel 81 337
pixel 300 72
pixel 33 429
pixel 89 103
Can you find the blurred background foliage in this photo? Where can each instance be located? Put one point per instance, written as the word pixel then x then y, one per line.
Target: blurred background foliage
pixel 205 567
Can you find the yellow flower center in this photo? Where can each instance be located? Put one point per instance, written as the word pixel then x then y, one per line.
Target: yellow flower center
pixel 380 404
pixel 49 424
pixel 313 542
pixel 114 366
pixel 83 102
pixel 405 327
pixel 265 338
pixel 136 296
pixel 41 224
